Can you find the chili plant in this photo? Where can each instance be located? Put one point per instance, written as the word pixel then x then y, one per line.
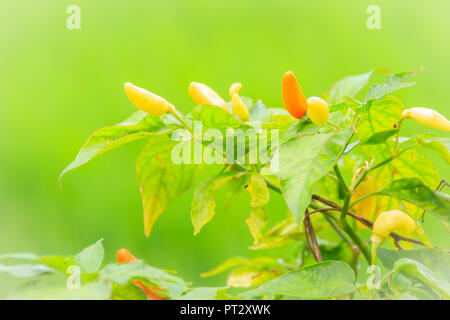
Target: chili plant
pixel 340 163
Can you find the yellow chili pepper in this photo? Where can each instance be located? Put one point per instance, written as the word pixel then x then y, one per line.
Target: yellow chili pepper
pixel 235 88
pixel 318 110
pixel 293 98
pixel 428 117
pixel 388 222
pixel 202 94
pixel 364 208
pixel 239 107
pixel 147 101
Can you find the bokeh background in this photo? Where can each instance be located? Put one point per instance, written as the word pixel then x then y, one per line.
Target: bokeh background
pixel 59 85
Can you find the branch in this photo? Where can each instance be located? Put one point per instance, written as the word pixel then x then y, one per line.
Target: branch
pixel 309 230
pixel 364 221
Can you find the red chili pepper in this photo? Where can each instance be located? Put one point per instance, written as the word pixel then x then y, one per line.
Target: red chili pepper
pixel 125 256
pixel 293 98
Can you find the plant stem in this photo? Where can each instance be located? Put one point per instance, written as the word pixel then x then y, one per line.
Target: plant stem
pixel 364 174
pixel 334 126
pixel 179 118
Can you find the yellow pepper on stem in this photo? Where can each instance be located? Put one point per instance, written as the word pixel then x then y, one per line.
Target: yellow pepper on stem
pixel 202 94
pixel 151 103
pixel 239 107
pixel 293 98
pixel 318 110
pixel 386 223
pixel 428 117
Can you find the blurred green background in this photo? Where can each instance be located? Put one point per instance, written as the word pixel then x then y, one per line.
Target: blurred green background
pixel 59 85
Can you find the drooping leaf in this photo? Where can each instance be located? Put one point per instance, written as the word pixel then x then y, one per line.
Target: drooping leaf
pixel 305 160
pixel 394 82
pixel 256 223
pixel 258 191
pixel 322 280
pixel 429 141
pixel 90 259
pixel 228 264
pixel 436 259
pixel 138 126
pixel 416 192
pixel 417 271
pixel 204 202
pixel 249 276
pixel 122 273
pixel 160 179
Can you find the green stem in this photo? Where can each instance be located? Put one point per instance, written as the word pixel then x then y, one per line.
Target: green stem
pixel 179 118
pixel 357 240
pixel 378 165
pixel 334 126
pixel 363 198
pixel 397 137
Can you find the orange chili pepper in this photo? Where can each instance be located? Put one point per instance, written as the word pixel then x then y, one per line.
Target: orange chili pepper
pixel 125 256
pixel 293 98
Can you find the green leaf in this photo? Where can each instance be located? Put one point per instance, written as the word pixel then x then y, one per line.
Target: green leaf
pixel 427 265
pixel 256 223
pixel 305 160
pixel 414 191
pixel 139 126
pixel 412 164
pixel 60 263
pixel 53 287
pixel 204 202
pixel 258 191
pixel 25 270
pixel 439 145
pixel 417 271
pixel 19 255
pixel 381 115
pixel 436 259
pixel 214 117
pixel 379 137
pixel 127 291
pixel 259 112
pixel 228 264
pixel 205 293
pixel 90 259
pixel 122 273
pixel 250 276
pixel 322 280
pixel 349 86
pixel 394 82
pixel 160 179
